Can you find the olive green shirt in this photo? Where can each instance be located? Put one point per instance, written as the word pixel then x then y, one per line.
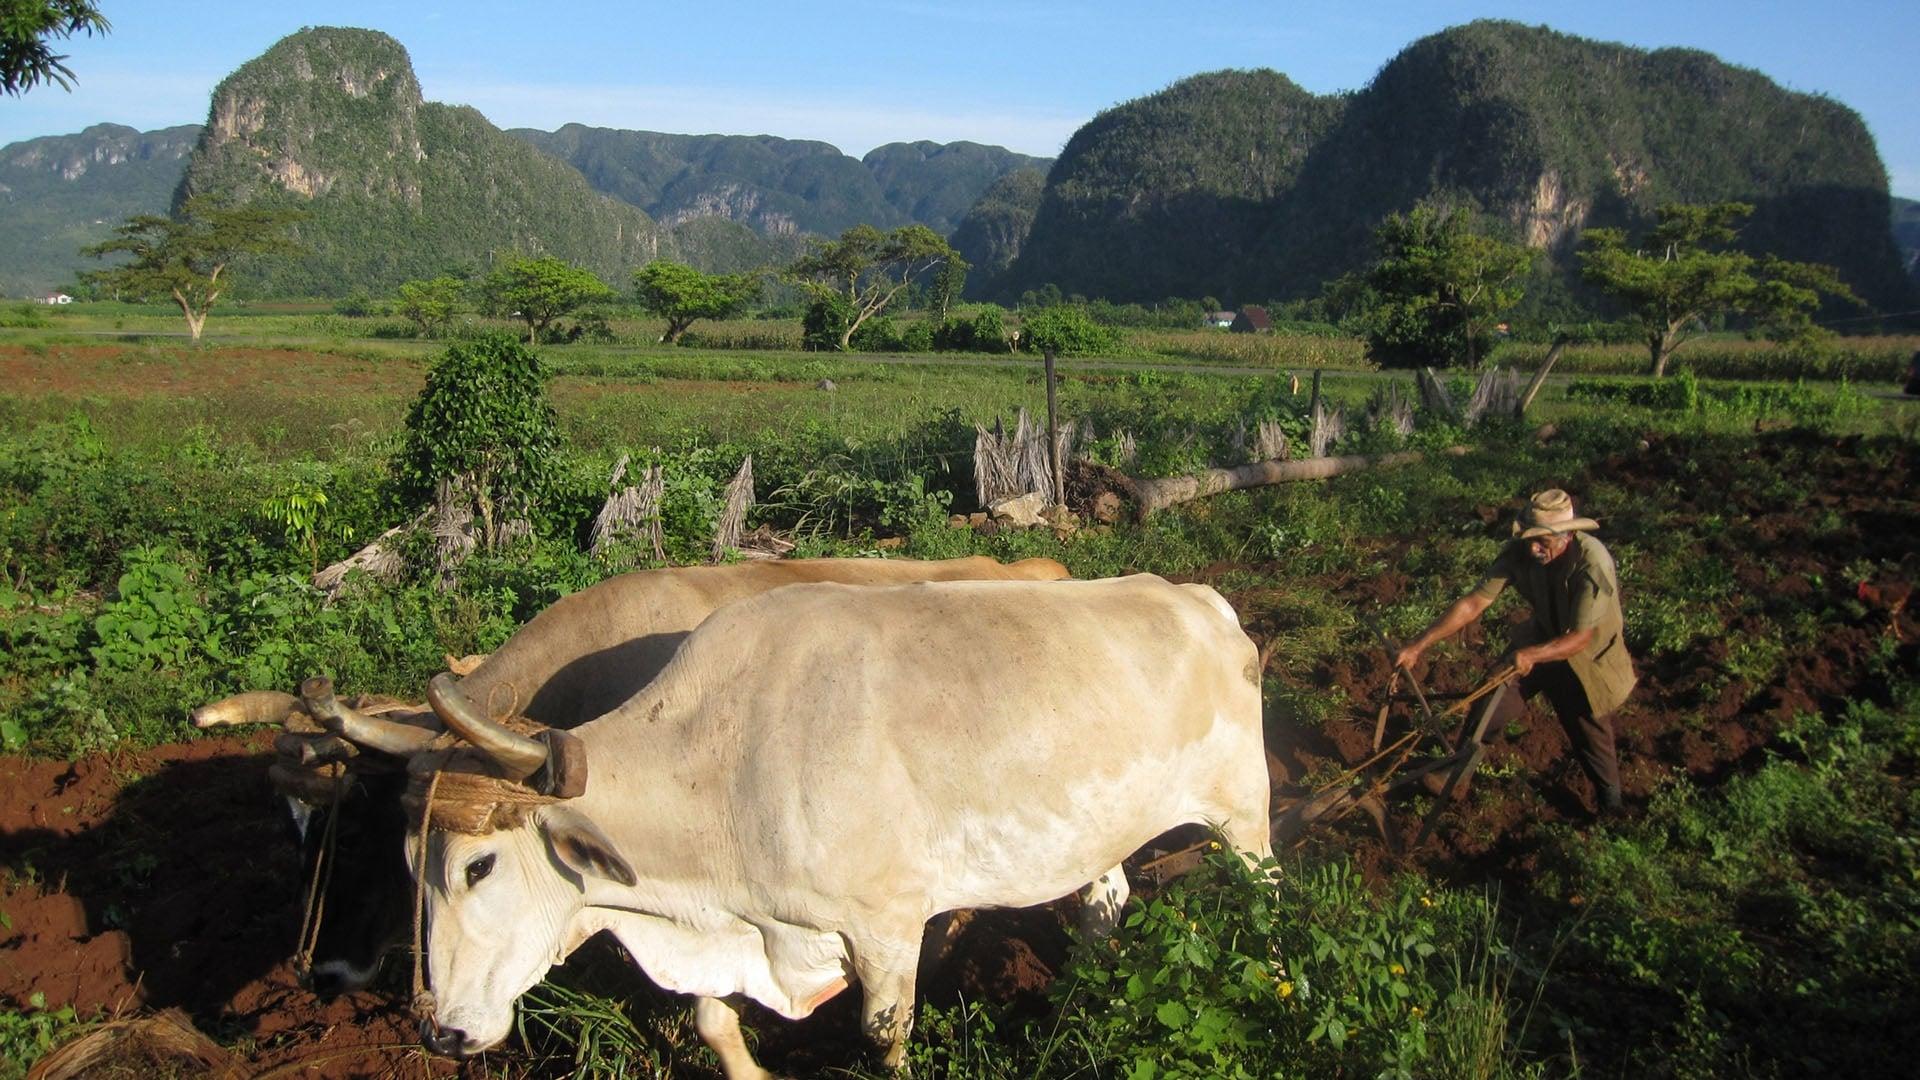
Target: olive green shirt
pixel 1578 590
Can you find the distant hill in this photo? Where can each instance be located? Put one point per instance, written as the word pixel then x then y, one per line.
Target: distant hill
pixel 331 120
pixel 778 186
pixel 1240 185
pixel 62 192
pixel 1906 234
pixel 935 184
pixel 990 235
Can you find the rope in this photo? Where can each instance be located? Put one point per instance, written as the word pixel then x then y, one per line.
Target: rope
pixel 323 862
pixel 422 1003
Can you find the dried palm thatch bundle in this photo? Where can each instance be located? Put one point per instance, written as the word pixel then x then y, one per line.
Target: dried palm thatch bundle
pixel 1434 396
pixel 1006 465
pixel 163 1045
pixel 1329 424
pixel 451 522
pixel 631 511
pixel 733 517
pixel 1269 441
pixel 1496 394
pixel 1390 409
pixel 380 560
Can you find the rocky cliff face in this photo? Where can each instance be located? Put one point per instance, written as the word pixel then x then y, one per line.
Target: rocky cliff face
pixel 331 120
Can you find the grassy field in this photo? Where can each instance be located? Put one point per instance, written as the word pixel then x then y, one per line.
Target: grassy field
pixel 1765 895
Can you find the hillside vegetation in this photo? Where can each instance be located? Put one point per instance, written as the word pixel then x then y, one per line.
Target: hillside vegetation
pixel 1239 184
pixel 63 192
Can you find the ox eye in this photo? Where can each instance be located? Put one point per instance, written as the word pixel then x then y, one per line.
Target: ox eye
pixel 478 869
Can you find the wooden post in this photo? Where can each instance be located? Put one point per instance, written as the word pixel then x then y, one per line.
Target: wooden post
pixel 1540 377
pixel 1313 403
pixel 1053 437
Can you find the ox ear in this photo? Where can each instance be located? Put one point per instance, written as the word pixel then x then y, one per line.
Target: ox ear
pixel 580 845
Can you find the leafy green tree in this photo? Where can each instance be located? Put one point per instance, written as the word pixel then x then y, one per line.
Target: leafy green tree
pixel 868 268
pixel 1437 289
pixel 25 28
pixel 538 291
pixel 680 294
pixel 431 305
pixel 483 423
pixel 184 257
pixel 1683 273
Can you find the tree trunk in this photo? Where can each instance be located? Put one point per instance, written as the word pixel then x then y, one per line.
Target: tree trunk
pixel 1053 437
pixel 1540 377
pixel 1160 494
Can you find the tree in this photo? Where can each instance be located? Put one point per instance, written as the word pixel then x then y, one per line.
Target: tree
pixel 185 256
pixel 1683 273
pixel 538 291
pixel 1437 289
pixel 483 424
pixel 680 294
pixel 430 305
pixel 26 26
pixel 868 268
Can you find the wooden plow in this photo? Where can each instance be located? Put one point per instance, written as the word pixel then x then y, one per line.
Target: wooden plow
pixel 1364 787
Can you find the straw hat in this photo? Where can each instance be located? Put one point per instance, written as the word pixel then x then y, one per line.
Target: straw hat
pixel 1550 513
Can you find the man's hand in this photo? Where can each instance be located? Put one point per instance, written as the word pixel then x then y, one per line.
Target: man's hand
pixel 1407 657
pixel 1522 661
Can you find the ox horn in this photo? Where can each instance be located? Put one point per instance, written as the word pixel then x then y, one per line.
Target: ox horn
pixel 357 727
pixel 252 707
pixel 518 754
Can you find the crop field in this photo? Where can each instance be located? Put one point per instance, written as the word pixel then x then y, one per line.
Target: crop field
pixel 1756 912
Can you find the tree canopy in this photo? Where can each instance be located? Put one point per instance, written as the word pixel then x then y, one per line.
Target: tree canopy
pixel 483 425
pixel 1437 289
pixel 430 305
pixel 184 257
pixel 538 291
pixel 1684 272
pixel 25 28
pixel 680 294
pixel 867 269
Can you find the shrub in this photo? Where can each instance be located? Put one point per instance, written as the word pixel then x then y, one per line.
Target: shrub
pixel 483 421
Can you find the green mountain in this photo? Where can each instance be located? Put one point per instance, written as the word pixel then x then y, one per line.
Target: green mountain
pixel 1906 234
pixel 777 186
pixel 990 235
pixel 780 186
pixel 935 184
pixel 1240 185
pixel 331 120
pixel 61 193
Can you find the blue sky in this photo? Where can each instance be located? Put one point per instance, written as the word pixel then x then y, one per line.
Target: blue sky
pixel 858 73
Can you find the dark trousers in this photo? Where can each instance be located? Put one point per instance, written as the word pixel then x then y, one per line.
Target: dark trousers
pixel 1591 736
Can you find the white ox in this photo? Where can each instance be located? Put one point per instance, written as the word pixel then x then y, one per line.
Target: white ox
pixel 823 768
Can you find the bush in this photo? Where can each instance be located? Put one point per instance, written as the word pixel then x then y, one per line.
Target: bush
pixel 483 420
pixel 979 329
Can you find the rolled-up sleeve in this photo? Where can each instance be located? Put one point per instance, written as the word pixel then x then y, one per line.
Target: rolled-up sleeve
pixel 1499 573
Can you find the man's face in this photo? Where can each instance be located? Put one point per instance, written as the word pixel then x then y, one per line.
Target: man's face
pixel 1545 549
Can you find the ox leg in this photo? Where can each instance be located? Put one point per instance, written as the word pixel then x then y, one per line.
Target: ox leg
pixel 718 1022
pixel 1101 902
pixel 885 964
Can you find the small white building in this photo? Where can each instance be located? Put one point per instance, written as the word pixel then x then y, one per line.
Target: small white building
pixel 57 298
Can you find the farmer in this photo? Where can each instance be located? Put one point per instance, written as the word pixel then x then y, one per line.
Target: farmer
pixel 1571 650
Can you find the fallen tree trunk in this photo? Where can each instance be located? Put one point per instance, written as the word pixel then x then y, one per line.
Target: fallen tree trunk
pixel 1152 495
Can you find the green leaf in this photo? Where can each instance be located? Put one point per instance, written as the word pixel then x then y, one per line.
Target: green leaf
pixel 1172 1014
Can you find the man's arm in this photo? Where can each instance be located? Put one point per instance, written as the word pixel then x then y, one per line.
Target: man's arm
pixel 1559 648
pixel 1464 610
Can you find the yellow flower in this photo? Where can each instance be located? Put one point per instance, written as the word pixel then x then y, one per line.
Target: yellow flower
pixel 1418 1011
pixel 1426 901
pixel 1397 970
pixel 1285 989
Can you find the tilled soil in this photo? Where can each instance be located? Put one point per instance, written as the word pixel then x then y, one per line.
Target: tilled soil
pixel 164 878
